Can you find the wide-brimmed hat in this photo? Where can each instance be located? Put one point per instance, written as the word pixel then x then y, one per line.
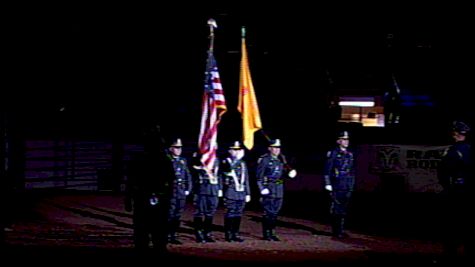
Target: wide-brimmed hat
pixel 275 143
pixel 235 145
pixel 343 135
pixel 176 143
pixel 460 127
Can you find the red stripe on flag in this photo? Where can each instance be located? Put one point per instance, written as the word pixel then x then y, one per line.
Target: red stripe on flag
pixel 213 107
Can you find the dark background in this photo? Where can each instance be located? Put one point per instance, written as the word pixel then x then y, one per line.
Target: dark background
pixel 113 68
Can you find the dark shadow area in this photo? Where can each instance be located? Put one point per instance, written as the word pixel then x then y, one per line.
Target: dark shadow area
pixel 404 215
pixel 85 213
pixel 121 214
pixel 292 225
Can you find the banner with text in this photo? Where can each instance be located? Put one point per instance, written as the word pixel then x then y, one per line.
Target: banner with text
pixel 415 166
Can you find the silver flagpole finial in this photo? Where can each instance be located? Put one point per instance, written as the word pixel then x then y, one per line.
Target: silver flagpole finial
pixel 212 22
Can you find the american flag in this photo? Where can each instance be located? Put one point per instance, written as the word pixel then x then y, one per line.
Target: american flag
pixel 213 107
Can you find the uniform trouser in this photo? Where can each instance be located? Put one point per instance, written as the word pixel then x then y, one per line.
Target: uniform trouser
pixel 338 210
pixel 205 206
pixel 177 206
pixel 234 207
pixel 150 221
pixel 232 219
pixel 271 207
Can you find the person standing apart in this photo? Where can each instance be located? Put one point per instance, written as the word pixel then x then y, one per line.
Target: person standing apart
pixel 339 177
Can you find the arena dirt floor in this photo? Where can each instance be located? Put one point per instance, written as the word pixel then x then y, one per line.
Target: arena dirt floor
pixel 92 228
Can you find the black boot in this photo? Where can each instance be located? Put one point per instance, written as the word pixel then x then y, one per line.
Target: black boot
pixel 236 223
pixel 159 239
pixel 273 235
pixel 266 231
pixel 342 228
pixel 337 226
pixel 207 229
pixel 199 233
pixel 172 233
pixel 228 229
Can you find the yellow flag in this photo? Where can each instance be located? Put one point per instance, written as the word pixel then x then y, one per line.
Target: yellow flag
pixel 251 119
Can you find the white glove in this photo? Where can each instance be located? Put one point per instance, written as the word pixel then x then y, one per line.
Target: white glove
pixel 220 193
pixel 248 198
pixel 240 154
pixel 265 191
pixel 328 187
pixel 292 173
pixel 187 193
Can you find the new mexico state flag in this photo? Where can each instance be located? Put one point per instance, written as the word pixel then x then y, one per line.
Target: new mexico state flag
pixel 247 105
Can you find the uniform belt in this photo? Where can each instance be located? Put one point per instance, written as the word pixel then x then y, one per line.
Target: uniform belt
pixel 276 181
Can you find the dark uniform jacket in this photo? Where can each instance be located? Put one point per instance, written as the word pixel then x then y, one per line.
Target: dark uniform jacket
pixel 203 185
pixel 235 177
pixel 148 175
pixel 454 169
pixel 339 170
pixel 270 173
pixel 182 178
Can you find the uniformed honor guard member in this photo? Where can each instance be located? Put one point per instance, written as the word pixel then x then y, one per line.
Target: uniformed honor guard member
pixel 207 189
pixel 455 173
pixel 272 168
pixel 339 177
pixel 181 188
pixel 236 189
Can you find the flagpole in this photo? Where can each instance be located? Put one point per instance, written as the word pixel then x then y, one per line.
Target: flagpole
pixel 212 24
pixel 213 107
pixel 265 135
